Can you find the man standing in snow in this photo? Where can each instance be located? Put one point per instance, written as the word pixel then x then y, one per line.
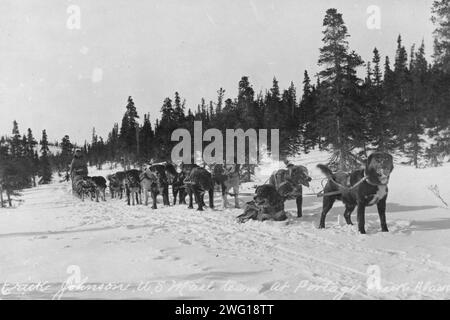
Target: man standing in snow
pixel 78 165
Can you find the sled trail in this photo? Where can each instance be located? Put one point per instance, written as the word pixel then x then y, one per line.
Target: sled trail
pixel 207 254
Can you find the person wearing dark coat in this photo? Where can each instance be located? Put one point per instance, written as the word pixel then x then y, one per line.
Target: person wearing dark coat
pixel 78 165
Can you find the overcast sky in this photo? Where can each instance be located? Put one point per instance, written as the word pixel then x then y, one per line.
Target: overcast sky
pixel 70 80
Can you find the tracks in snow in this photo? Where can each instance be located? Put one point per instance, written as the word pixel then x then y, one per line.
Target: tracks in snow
pixel 293 249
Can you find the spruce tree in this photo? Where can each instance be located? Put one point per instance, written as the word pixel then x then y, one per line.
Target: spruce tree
pixel 339 120
pixel 246 112
pixel 66 153
pixel 45 170
pixel 8 172
pixel 377 75
pixel 220 97
pixel 179 116
pixel 128 130
pixel 31 155
pixel 415 112
pixel 164 130
pixel 308 121
pixel 441 20
pixel 16 143
pixel 378 113
pixel 146 139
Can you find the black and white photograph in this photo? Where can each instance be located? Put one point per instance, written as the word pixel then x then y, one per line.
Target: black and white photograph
pixel 252 150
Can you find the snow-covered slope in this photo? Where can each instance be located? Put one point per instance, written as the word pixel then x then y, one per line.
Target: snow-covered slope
pixel 53 238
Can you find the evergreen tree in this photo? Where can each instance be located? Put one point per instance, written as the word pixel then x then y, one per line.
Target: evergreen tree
pixel 146 139
pixel 16 142
pixel 129 129
pixel 32 155
pixel 339 120
pixel 289 123
pixel 388 74
pixel 179 116
pixel 45 170
pixel 308 110
pixel 163 130
pixel 66 153
pixel 414 114
pixel 441 20
pixel 401 58
pixel 272 106
pixel 246 112
pixel 377 75
pixel 8 172
pixel 378 114
pixel 220 97
pixel 113 143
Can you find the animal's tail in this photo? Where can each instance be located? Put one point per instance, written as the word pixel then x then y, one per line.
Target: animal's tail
pixel 325 170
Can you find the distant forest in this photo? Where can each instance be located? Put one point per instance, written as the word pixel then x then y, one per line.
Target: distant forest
pixel 400 106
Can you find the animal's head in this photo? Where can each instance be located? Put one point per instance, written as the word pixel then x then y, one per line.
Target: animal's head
pixel 216 169
pixel 201 177
pixel 266 194
pixel 132 180
pixel 299 175
pixel 184 168
pixel 379 167
pixel 88 184
pixel 187 168
pixel 171 172
pixel 218 173
pixel 161 178
pixel 114 181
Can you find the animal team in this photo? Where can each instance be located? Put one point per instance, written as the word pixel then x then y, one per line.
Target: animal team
pixel 357 189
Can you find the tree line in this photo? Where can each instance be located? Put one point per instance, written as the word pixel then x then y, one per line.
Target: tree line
pixel 396 106
pixel 399 105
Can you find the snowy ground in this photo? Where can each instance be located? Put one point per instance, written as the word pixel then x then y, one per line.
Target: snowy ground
pixel 55 246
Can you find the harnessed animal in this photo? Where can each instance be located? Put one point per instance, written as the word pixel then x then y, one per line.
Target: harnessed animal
pixel 198 181
pixel 360 188
pixel 227 177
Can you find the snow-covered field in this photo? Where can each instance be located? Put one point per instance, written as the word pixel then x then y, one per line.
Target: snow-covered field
pixel 55 246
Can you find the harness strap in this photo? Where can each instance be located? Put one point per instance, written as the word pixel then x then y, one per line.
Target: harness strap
pixel 347 189
pixel 342 187
pixel 375 184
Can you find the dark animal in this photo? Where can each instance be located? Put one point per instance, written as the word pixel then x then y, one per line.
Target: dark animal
pixel 296 176
pixel 100 187
pixel 227 177
pixel 133 186
pixel 163 183
pixel 149 183
pixel 176 180
pixel 178 188
pixel 198 181
pixel 116 184
pixel 83 186
pixel 360 188
pixel 267 204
